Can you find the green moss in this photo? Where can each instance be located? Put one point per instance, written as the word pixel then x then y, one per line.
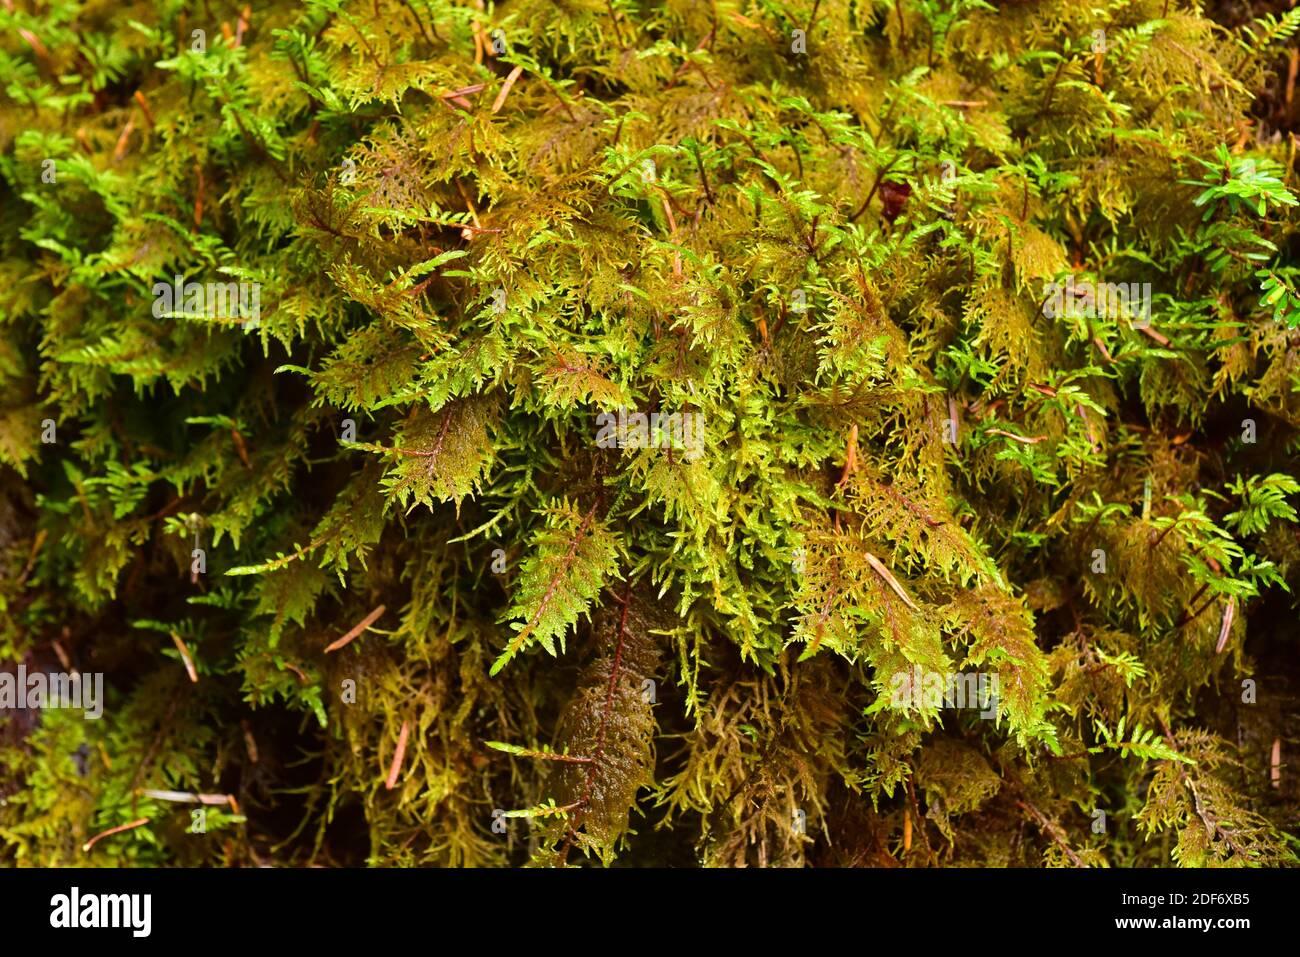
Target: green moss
pixel 598 431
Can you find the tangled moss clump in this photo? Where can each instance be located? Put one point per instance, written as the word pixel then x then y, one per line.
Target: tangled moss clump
pixel 832 432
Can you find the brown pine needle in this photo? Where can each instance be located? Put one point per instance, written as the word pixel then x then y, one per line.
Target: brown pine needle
pixel 198 203
pixel 464 91
pixel 1034 440
pixel 469 203
pixel 124 141
pixel 400 753
pixel 187 797
pixel 37 542
pixel 85 848
pixel 185 657
pixel 850 456
pixel 1229 614
pixel 361 626
pixel 144 106
pixel 298 672
pixel 668 214
pixel 241 448
pixel 890 580
pixel 35 43
pixel 1147 330
pixel 505 88
pixel 63 656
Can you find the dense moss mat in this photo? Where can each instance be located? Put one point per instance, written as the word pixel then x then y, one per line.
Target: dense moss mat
pixel 592 432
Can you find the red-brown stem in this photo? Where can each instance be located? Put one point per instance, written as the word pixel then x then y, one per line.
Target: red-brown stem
pixel 396 767
pixel 357 629
pixel 111 831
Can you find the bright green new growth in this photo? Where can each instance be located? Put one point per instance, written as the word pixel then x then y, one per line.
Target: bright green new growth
pixel 827 231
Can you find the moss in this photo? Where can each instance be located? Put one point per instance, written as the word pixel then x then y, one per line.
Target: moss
pixel 823 432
